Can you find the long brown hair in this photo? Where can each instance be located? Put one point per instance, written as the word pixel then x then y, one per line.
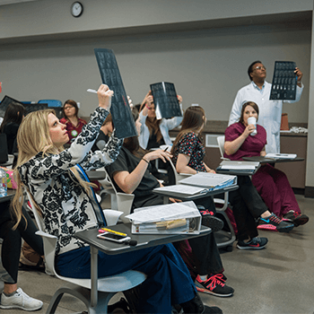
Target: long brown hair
pixel 33 137
pixel 131 143
pixel 152 124
pixel 253 105
pixel 14 113
pixel 193 119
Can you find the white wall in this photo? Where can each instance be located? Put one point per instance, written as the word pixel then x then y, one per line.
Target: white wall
pixel 206 66
pixel 53 16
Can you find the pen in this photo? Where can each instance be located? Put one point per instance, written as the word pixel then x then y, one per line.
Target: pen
pixel 93 91
pixel 165 149
pixel 102 230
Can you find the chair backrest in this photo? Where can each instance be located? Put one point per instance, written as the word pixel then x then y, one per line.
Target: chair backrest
pixel 49 240
pixel 119 201
pixel 177 176
pixel 51 102
pixel 35 107
pixel 221 143
pixel 4 148
pixel 38 217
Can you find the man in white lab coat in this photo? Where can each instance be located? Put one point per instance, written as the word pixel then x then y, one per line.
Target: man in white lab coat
pixel 269 110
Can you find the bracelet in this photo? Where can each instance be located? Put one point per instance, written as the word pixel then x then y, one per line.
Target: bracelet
pixel 147 106
pixel 145 160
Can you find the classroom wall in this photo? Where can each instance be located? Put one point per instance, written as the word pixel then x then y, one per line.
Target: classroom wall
pixel 203 46
pixel 46 17
pixel 206 66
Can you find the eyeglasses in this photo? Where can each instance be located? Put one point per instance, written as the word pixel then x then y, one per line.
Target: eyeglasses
pixel 68 107
pixel 259 68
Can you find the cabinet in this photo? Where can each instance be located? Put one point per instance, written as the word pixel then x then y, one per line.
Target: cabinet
pixel 295 171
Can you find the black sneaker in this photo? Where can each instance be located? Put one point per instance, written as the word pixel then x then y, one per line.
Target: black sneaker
pixel 255 244
pixel 214 286
pixel 211 221
pixel 296 219
pixel 282 226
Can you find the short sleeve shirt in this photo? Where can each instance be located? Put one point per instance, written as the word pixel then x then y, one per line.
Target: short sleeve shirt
pixel 251 147
pixel 126 161
pixel 191 146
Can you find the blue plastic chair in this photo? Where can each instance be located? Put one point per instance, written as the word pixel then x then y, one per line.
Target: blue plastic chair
pixel 51 102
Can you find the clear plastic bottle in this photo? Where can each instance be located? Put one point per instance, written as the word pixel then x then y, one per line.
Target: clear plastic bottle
pixel 3 183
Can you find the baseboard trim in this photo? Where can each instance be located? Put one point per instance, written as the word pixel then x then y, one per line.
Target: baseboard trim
pixel 309 191
pixel 298 191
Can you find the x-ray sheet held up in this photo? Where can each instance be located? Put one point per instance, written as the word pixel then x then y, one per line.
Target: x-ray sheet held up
pixel 120 108
pixel 173 218
pixel 211 181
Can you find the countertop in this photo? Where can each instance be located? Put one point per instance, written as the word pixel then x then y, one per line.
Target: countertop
pixel 219 127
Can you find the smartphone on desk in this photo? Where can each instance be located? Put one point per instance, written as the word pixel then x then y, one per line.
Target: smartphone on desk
pixel 113 237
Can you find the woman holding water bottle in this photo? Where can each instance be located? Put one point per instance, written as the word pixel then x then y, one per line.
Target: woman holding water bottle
pixel 247 139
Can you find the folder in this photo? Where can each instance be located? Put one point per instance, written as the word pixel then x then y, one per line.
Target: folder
pixel 210 181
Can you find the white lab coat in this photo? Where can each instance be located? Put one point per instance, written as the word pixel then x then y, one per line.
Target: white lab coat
pixel 269 111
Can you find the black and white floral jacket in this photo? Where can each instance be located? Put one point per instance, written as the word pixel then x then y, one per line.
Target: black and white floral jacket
pixel 65 205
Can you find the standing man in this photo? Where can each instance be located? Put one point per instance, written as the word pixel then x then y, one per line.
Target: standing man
pixel 269 110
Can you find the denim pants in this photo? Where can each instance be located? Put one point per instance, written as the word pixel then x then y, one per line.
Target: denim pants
pixel 168 279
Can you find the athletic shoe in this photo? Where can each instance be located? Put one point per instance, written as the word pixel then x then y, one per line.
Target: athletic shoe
pixel 211 221
pixel 295 218
pixel 255 244
pixel 20 300
pixel 282 226
pixel 267 227
pixel 214 286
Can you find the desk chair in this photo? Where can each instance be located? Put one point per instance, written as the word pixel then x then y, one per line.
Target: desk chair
pixel 221 144
pixel 119 201
pixel 51 102
pixel 224 239
pixel 107 286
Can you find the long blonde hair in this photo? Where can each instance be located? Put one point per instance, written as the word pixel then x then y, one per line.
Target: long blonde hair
pixel 33 137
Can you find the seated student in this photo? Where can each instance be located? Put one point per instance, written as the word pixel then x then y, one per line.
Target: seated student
pixel 62 196
pixel 74 124
pixel 13 117
pixel 188 153
pixel 131 174
pixel 271 183
pixel 104 134
pixel 155 133
pixel 12 296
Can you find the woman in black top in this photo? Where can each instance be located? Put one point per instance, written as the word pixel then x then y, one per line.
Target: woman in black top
pixel 11 122
pixel 131 174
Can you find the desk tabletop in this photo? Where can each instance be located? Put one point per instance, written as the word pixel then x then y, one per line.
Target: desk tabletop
pixel 96 175
pixel 264 160
pixel 198 195
pixel 10 195
pixel 143 240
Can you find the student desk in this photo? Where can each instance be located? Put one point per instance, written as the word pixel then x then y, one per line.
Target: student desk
pixel 111 248
pixel 96 175
pixel 185 198
pixel 264 160
pixel 10 195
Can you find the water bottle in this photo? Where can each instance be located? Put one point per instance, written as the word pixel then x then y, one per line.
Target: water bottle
pixel 3 183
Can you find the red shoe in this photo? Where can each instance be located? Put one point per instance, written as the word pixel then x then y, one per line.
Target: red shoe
pixel 214 286
pixel 295 218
